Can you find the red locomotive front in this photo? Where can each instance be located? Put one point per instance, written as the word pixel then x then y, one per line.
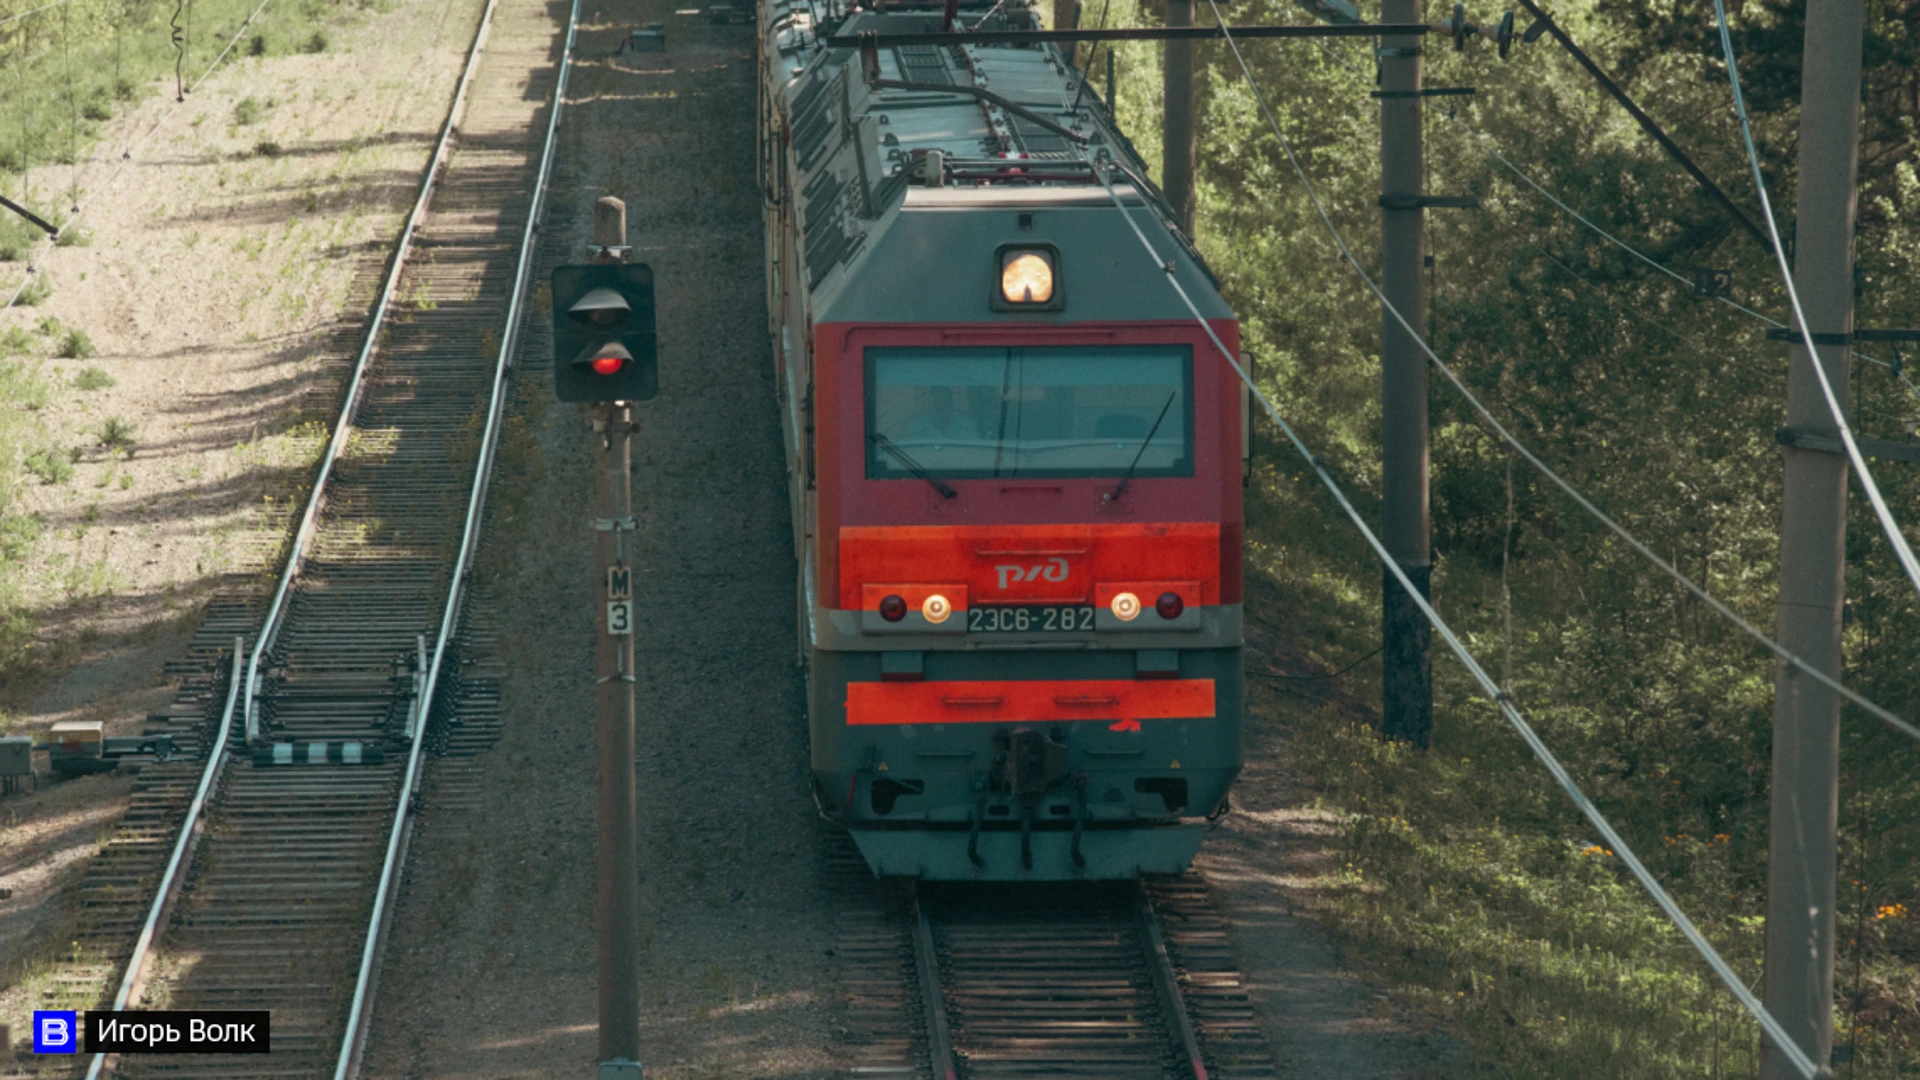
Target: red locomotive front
pixel 1016 468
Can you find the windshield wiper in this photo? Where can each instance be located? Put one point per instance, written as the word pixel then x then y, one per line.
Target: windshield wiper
pixel 939 485
pixel 1128 475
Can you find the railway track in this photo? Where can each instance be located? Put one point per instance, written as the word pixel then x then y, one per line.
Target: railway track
pixel 1120 981
pixel 245 884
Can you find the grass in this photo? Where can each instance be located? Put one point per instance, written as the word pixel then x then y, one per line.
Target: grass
pixel 24 391
pixel 1463 878
pixel 78 345
pixel 116 433
pixel 17 238
pixel 37 290
pixel 50 465
pixel 92 377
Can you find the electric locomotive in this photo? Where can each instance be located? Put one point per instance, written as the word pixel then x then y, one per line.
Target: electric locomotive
pixel 1015 456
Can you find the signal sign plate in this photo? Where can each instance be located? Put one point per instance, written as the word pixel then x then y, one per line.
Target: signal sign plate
pixel 619 583
pixel 619 617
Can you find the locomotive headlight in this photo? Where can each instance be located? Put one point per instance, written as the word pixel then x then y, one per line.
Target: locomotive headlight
pixel 936 608
pixel 1126 606
pixel 1026 277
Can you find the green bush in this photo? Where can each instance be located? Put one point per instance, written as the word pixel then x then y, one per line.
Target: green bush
pixel 21 386
pixel 16 238
pixel 92 378
pixel 315 44
pixel 77 345
pixel 248 111
pixel 116 433
pixel 50 465
pixel 266 148
pixel 15 341
pixel 37 290
pixel 74 238
pixel 95 110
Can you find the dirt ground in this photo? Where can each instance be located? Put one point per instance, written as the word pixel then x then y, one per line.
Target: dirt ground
pixel 492 972
pixel 1266 864
pixel 215 276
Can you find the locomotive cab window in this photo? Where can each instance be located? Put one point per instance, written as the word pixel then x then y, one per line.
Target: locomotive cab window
pixel 1059 411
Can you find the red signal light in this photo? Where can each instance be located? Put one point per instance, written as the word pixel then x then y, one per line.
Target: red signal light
pixel 893 608
pixel 608 364
pixel 1169 606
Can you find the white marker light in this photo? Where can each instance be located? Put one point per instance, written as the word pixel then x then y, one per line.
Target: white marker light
pixel 936 608
pixel 1126 607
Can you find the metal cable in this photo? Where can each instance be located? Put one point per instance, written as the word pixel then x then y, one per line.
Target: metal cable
pixel 73 108
pixel 126 156
pixel 1502 699
pixel 1887 524
pixel 1546 470
pixel 1775 1033
pixel 1331 675
pixel 1487 144
pixel 35 11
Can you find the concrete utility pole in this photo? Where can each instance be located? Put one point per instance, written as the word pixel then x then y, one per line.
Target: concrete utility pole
pixel 1406 681
pixel 617 857
pixel 1177 148
pixel 1801 868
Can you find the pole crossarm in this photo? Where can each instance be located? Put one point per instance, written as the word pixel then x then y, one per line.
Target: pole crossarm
pixel 1125 33
pixel 1648 125
pixel 37 220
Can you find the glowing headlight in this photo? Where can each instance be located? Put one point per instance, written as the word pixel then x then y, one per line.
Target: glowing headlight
pixel 1026 278
pixel 936 608
pixel 1126 607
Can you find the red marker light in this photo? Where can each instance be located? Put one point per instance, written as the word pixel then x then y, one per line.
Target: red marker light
pixel 1169 606
pixel 608 364
pixel 893 608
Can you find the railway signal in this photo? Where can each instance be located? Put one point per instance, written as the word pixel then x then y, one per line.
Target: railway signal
pixel 603 340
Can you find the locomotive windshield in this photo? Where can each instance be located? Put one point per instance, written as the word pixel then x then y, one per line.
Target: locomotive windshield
pixel 1057 411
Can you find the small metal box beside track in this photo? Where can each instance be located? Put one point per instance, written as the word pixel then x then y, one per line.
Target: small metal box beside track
pixel 16 756
pixel 652 39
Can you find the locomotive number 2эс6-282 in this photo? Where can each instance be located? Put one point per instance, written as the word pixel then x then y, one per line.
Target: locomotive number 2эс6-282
pixel 1015 456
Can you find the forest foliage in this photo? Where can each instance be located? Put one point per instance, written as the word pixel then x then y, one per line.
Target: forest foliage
pixel 1471 879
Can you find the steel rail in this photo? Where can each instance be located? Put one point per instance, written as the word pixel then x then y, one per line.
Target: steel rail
pixel 172 877
pixel 309 518
pixel 1167 982
pixel 940 1060
pixel 191 826
pixel 353 1039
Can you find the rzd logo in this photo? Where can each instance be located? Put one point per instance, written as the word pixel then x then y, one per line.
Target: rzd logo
pixel 1054 569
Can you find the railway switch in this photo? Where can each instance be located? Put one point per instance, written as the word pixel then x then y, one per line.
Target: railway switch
pixel 603 333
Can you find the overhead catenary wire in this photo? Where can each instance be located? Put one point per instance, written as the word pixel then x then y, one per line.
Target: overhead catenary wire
pixel 1901 550
pixel 126 156
pixel 1586 504
pixel 1487 144
pixel 35 11
pixel 1501 698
